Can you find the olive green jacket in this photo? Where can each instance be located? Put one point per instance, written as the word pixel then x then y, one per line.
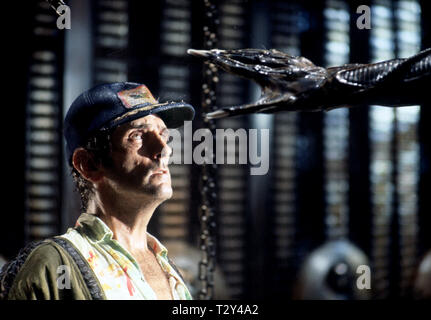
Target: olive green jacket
pixel 39 269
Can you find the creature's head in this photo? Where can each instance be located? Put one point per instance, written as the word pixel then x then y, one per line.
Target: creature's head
pixel 282 77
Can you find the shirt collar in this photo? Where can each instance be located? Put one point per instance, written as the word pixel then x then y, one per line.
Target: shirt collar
pixel 156 246
pixel 93 227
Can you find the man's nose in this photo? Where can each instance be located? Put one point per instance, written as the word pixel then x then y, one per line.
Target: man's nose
pixel 159 147
pixel 166 151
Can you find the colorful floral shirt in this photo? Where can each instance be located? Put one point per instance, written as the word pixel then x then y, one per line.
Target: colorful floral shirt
pixel 117 271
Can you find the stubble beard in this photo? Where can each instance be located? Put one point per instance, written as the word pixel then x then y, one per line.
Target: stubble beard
pixel 147 188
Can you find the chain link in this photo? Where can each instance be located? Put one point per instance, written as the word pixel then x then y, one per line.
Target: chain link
pixel 208 173
pixel 55 4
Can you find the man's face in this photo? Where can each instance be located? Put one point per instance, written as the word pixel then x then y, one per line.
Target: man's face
pixel 140 157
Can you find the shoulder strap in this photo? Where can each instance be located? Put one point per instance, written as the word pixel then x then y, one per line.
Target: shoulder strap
pixel 87 273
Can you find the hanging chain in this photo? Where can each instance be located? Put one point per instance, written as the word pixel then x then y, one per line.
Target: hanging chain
pixel 55 4
pixel 208 174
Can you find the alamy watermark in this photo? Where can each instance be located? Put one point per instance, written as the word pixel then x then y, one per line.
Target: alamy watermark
pixel 64 19
pixel 63 281
pixel 364 20
pixel 228 146
pixel 364 280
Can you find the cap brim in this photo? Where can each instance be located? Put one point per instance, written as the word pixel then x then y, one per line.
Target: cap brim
pixel 173 114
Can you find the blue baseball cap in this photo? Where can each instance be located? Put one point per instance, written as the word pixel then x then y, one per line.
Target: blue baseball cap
pixel 107 106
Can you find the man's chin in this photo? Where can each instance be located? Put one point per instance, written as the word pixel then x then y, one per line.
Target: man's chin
pixel 166 194
pixel 162 192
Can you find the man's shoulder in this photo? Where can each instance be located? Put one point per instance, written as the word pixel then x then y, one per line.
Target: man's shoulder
pixel 34 263
pixel 35 255
pixel 35 271
pixel 46 254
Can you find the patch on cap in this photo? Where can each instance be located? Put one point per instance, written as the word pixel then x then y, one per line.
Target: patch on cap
pixel 136 96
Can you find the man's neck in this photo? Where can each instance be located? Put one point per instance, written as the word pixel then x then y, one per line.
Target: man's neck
pixel 127 218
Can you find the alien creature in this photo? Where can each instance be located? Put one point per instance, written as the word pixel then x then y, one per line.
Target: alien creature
pixel 291 83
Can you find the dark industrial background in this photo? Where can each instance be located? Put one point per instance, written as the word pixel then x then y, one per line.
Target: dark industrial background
pixel 357 178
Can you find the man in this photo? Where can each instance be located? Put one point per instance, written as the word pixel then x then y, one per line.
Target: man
pixel 116 143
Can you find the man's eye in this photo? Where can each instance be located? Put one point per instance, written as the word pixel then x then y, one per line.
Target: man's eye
pixel 165 136
pixel 136 136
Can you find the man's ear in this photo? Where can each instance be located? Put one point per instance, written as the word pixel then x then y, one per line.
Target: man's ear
pixel 84 162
